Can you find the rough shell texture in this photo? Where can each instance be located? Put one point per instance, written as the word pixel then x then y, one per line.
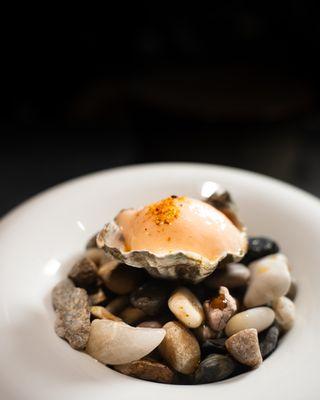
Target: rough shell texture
pixel 180 348
pixel 72 313
pixel 147 369
pixel 113 343
pixel 185 265
pixel 244 347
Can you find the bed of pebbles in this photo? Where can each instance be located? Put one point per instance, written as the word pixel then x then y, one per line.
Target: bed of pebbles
pixel 175 332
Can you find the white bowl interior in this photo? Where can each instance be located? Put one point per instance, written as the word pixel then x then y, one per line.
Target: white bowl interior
pixel 39 239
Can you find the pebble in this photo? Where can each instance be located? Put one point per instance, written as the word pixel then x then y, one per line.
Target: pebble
pixel 150 297
pixel 259 318
pixel 232 276
pixel 293 290
pixel 180 348
pixel 220 309
pixel 269 341
pixel 244 347
pixel 92 242
pixel 259 247
pixel 211 346
pixel 204 332
pixel 270 279
pixel 114 343
pixel 285 312
pixel 72 313
pixel 98 256
pixel 150 324
pixel 132 315
pixel 84 273
pixel 147 369
pixel 97 298
pixel 186 307
pixel 123 279
pixel 102 313
pixel 118 304
pixel 214 368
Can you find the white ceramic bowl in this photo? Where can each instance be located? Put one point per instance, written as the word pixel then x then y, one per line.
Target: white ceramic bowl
pixel 39 239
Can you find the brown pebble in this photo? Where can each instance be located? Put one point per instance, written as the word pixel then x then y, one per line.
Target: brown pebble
pixel 180 348
pixel 98 256
pixel 102 313
pixel 123 279
pixel 118 304
pixel 72 313
pixel 92 242
pixel 150 324
pixel 244 347
pixel 147 369
pixel 84 273
pixel 97 298
pixel 132 315
pixel 204 332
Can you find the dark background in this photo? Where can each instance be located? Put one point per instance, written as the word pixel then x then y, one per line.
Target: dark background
pixel 231 83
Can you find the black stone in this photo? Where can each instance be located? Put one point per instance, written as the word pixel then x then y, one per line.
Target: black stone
pixel 214 368
pixel 151 297
pixel 211 346
pixel 259 247
pixel 268 341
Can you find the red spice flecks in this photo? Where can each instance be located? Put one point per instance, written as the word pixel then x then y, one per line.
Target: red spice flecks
pixel 165 211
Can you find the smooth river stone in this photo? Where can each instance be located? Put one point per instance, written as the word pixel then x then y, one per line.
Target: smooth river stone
pixel 186 307
pixel 270 279
pixel 214 368
pixel 180 348
pixel 244 347
pixel 269 341
pixel 115 343
pixel 285 311
pixel 147 369
pixel 102 313
pixel 259 318
pixel 232 276
pixel 150 297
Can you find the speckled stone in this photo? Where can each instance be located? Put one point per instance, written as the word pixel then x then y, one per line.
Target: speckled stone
pixel 220 309
pixel 72 313
pixel 180 348
pixel 244 347
pixel 147 369
pixel 214 368
pixel 84 273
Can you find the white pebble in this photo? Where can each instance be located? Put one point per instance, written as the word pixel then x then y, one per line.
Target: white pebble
pixel 186 307
pixel 285 311
pixel 115 343
pixel 259 318
pixel 270 279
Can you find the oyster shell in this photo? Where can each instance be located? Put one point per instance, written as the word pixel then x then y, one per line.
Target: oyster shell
pixel 177 238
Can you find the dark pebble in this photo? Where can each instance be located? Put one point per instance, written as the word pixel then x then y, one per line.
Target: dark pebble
pixel 268 341
pixel 150 297
pixel 92 242
pixel 211 346
pixel 259 247
pixel 84 273
pixel 214 368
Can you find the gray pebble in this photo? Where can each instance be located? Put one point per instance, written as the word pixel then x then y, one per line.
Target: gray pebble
pixel 214 368
pixel 150 297
pixel 211 346
pixel 72 313
pixel 84 273
pixel 269 341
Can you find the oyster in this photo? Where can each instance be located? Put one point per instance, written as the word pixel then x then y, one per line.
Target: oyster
pixel 177 237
